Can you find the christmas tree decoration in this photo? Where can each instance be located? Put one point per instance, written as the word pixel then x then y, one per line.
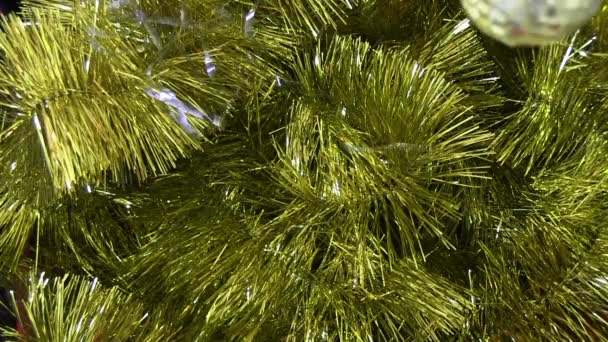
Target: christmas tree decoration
pixel 530 22
pixel 93 313
pixel 303 170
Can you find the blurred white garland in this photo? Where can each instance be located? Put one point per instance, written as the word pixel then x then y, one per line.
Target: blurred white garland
pixel 530 22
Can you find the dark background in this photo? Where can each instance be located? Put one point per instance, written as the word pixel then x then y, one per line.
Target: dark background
pixel 7 6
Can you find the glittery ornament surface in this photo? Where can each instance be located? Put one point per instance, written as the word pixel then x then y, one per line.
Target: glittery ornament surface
pixel 529 22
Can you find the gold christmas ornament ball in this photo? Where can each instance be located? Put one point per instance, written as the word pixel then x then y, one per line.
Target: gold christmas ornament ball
pixel 529 22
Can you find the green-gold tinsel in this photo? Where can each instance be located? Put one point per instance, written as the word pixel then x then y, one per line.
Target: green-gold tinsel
pixel 299 170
